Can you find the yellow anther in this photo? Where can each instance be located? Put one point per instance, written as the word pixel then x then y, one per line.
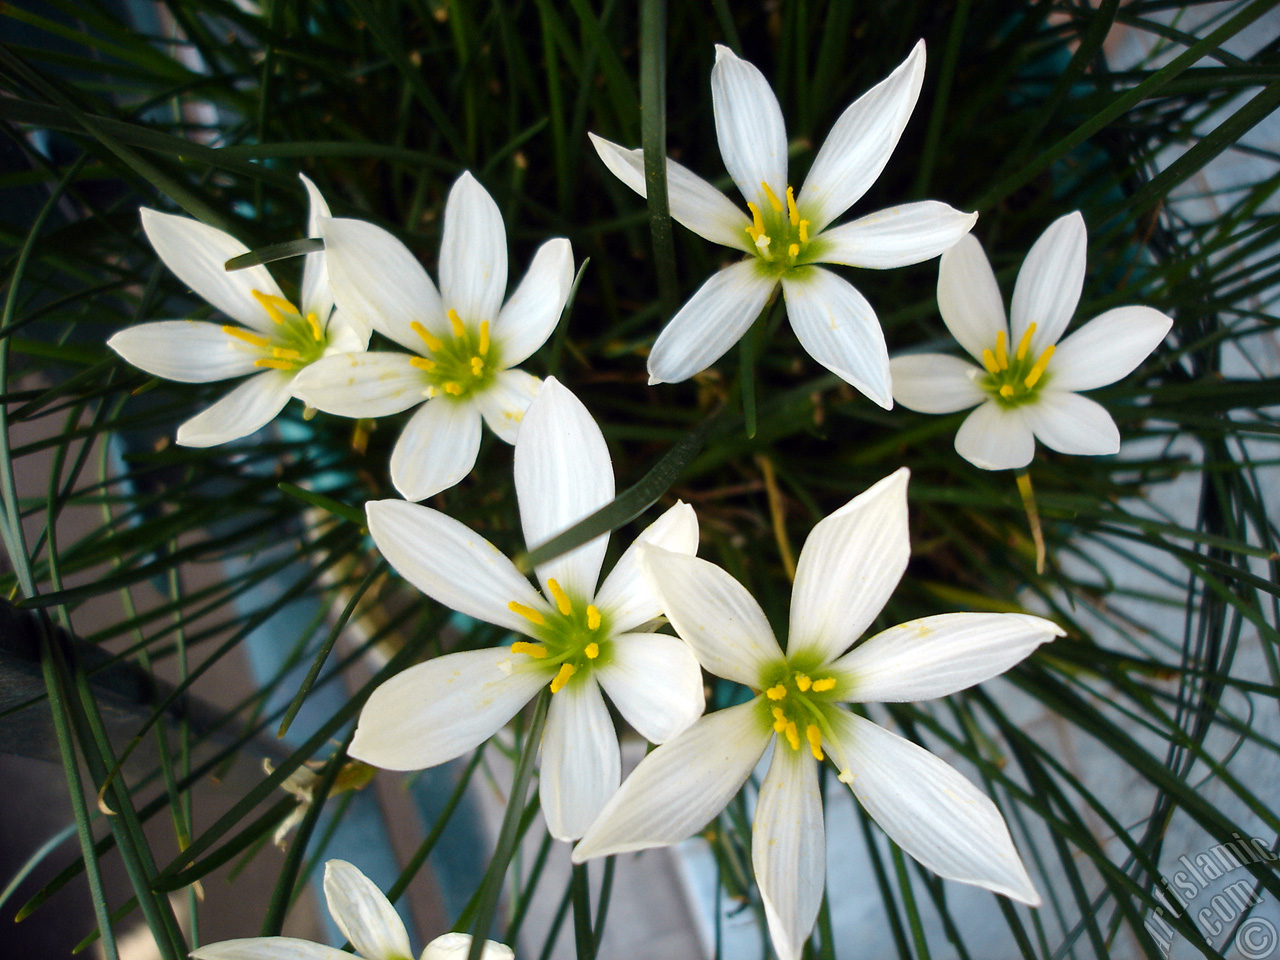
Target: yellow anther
pixel 757 222
pixel 422 363
pixel 773 197
pixel 989 361
pixel 484 338
pixel 803 683
pixel 1038 370
pixel 453 389
pixel 535 650
pixel 1006 390
pixel 273 363
pixel 793 250
pixel 823 685
pixel 779 719
pixel 274 305
pixel 456 322
pixel 593 617
pixel 477 366
pixel 314 323
pixel 533 616
pixel 1025 343
pixel 562 598
pixel 592 650
pixel 567 670
pixel 792 212
pixel 793 735
pixel 776 693
pixel 433 342
pixel 1002 358
pixel 284 353
pixel 804 231
pixel 240 333
pixel 814 736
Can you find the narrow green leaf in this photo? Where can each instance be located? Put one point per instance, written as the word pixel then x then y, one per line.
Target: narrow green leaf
pixel 274 252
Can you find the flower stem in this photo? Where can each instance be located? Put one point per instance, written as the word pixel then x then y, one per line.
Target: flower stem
pixel 1033 516
pixel 584 936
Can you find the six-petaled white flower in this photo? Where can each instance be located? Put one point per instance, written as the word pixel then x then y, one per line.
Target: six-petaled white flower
pixel 580 638
pixel 274 339
pixel 365 917
pixel 787 234
pixel 849 566
pixel 1026 386
pixel 465 342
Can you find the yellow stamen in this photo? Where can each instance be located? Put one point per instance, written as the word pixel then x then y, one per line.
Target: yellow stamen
pixel 803 683
pixel 273 363
pixel 422 363
pixel 823 685
pixel 793 735
pixel 535 650
pixel 274 305
pixel 592 650
pixel 793 250
pixel 314 323
pixel 458 329
pixel 989 361
pixel 1002 358
pixel 593 617
pixel 453 389
pixel 533 616
pixel 773 197
pixel 433 343
pixel 477 366
pixel 757 222
pixel 562 598
pixel 804 231
pixel 776 693
pixel 567 670
pixel 240 333
pixel 284 353
pixel 1006 390
pixel 814 736
pixel 779 719
pixel 1025 343
pixel 792 212
pixel 484 338
pixel 1038 370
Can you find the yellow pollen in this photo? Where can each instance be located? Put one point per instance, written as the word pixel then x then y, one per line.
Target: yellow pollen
pixel 284 353
pixel 274 305
pixel 458 329
pixel 567 670
pixel 1025 343
pixel 314 323
pixel 592 650
pixel 814 736
pixel 803 683
pixel 804 231
pixel 535 650
pixel 779 719
pixel 484 338
pixel 823 685
pixel 756 230
pixel 1002 358
pixel 1038 370
pixel 422 363
pixel 453 389
pixel 242 334
pixel 562 598
pixel 477 366
pixel 533 616
pixel 793 735
pixel 273 363
pixel 773 197
pixel 989 361
pixel 433 343
pixel 593 617
pixel 776 693
pixel 793 250
pixel 1006 390
pixel 792 212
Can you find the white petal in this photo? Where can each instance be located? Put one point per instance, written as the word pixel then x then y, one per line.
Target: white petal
pixel 436 448
pixel 363 914
pixel 625 596
pixel 457 946
pixel 1108 347
pixel 713 320
pixel 749 127
pixel 996 438
pixel 451 564
pixel 930 810
pixel 581 763
pixel 860 142
pixel 679 787
pixel 1070 423
pixel 693 202
pixel 655 681
pixel 438 710
pixel 190 351
pixel 849 567
pixel 935 382
pixel 268 948
pixel 939 655
pixel 969 298
pixel 379 284
pixel 373 384
pixel 506 402
pixel 839 329
pixel 473 252
pixel 528 318
pixel 563 473
pixel 251 405
pixel 317 297
pixel 197 254
pixel 898 236
pixel 344 335
pixel 788 849
pixel 713 613
pixel 1049 283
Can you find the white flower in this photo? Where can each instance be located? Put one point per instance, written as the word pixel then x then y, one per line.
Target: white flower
pixel 848 568
pixel 464 341
pixel 1027 384
pixel 787 234
pixel 275 339
pixel 365 917
pixel 581 638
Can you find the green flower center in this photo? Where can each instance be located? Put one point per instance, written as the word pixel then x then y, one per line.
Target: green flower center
pixel 298 341
pixel 798 699
pixel 1013 381
pixel 462 365
pixel 779 234
pixel 572 639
